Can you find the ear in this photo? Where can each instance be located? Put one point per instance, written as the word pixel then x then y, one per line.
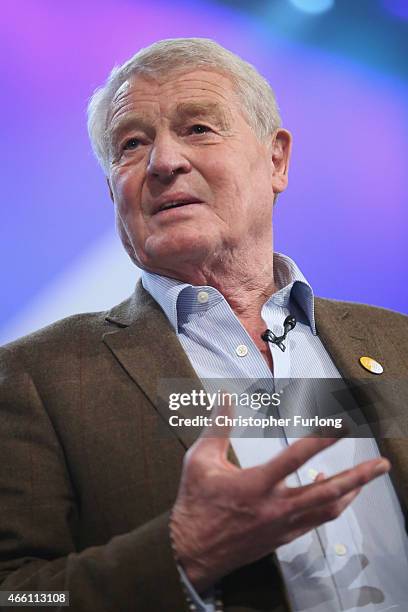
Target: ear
pixel 281 149
pixel 110 190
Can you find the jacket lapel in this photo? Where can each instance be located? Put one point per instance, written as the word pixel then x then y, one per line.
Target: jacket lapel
pixel 347 336
pixel 144 343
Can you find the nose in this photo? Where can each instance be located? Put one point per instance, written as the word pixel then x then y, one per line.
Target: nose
pixel 167 159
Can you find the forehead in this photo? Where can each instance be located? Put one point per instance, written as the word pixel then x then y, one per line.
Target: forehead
pixel 164 93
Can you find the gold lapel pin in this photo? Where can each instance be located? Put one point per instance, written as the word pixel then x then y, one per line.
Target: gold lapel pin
pixel 371 365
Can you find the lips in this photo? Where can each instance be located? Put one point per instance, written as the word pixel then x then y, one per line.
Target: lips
pixel 174 205
pixel 174 201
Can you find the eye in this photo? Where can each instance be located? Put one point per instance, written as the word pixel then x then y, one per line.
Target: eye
pixel 198 128
pixel 132 143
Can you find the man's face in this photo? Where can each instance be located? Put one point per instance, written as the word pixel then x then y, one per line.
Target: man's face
pixel 190 181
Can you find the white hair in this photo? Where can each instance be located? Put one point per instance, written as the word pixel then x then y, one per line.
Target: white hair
pixel 178 55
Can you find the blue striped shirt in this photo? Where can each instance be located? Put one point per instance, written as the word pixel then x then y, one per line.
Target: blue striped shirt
pixel 353 562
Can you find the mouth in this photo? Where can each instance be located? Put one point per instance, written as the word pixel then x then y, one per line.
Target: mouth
pixel 176 204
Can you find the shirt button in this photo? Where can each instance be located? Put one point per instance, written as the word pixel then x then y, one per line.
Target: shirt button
pixel 241 350
pixel 202 297
pixel 340 550
pixel 312 473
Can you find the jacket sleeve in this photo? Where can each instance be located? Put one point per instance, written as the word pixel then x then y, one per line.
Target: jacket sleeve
pixel 40 516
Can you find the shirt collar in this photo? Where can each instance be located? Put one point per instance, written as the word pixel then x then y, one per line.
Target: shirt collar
pixel 177 299
pixel 294 291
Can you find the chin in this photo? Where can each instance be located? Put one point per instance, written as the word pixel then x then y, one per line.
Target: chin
pixel 187 246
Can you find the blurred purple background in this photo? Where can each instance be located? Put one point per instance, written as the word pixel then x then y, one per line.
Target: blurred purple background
pixel 341 82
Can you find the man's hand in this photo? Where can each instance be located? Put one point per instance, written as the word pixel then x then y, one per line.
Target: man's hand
pixel 226 517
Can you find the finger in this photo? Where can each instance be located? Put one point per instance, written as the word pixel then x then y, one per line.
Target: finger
pixel 215 436
pixel 314 518
pixel 293 491
pixel 292 458
pixel 332 489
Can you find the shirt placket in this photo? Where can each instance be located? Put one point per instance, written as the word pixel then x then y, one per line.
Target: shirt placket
pixel 313 544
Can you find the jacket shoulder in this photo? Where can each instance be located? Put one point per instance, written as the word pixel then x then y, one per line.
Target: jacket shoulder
pixel 63 329
pixel 76 336
pixel 56 343
pixel 362 310
pixel 388 322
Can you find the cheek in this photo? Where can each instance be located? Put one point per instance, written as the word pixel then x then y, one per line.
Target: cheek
pixel 126 191
pixel 223 178
pixel 129 219
pixel 260 182
pixel 121 229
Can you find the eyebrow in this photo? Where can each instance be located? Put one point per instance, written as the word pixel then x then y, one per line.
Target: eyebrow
pixel 213 110
pixel 121 126
pixel 184 110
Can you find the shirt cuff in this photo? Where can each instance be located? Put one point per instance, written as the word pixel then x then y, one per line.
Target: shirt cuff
pixel 205 603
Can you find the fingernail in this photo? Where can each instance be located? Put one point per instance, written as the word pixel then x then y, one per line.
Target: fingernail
pixel 381 467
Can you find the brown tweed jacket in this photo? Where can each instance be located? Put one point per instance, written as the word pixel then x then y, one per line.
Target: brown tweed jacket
pixel 87 477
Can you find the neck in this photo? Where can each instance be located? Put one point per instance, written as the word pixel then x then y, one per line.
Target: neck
pixel 246 288
pixel 246 280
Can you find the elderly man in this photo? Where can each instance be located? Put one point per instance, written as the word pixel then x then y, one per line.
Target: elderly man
pixel 96 500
